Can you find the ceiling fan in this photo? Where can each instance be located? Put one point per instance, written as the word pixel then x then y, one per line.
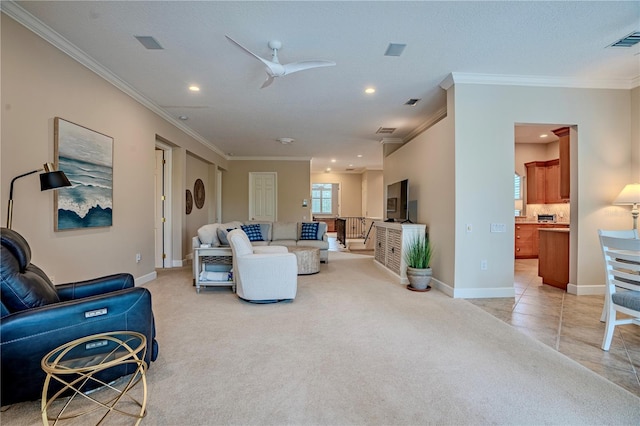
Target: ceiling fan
pixel 275 68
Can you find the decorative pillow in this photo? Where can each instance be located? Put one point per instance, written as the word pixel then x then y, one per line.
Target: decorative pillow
pixel 222 235
pixel 309 231
pixel 208 234
pixel 253 232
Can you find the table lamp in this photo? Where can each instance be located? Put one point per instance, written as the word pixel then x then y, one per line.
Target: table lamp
pixel 630 196
pixel 50 179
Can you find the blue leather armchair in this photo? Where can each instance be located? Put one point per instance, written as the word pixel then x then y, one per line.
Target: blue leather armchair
pixel 37 317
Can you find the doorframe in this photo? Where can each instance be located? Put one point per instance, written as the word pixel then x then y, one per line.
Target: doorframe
pixel 167 225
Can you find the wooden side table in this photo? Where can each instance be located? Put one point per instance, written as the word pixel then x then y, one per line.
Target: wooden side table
pixel 77 365
pixel 308 259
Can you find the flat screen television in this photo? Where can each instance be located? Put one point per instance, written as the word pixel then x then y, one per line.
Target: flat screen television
pixel 398 201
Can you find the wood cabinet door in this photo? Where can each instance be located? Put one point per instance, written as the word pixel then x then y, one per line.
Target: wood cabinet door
pixel 526 241
pixel 552 184
pixel 535 182
pixel 565 161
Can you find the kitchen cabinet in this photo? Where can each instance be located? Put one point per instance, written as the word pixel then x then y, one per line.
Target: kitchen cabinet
pixel 543 182
pixel 536 175
pixel 564 149
pixel 330 221
pixel 553 261
pixel 527 238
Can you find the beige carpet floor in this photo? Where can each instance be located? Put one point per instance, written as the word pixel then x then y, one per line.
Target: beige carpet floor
pixel 355 348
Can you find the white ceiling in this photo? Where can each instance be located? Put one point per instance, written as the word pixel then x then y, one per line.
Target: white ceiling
pixel 326 110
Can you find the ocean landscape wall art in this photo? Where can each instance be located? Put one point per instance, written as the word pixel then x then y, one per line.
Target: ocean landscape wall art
pixel 86 157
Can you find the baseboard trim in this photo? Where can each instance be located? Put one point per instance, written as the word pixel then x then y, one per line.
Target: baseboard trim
pixel 145 278
pixel 585 290
pixel 177 263
pixel 475 293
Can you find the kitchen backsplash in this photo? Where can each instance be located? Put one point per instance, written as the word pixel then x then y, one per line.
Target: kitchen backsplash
pixel 560 210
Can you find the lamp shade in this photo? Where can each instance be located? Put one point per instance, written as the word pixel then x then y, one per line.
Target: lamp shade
pixel 629 195
pixel 53 180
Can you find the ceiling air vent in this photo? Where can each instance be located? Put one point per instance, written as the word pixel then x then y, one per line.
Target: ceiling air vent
pixel 386 130
pixel 412 102
pixel 395 49
pixel 628 41
pixel 149 42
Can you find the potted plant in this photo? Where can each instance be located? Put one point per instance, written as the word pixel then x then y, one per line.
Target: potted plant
pixel 417 255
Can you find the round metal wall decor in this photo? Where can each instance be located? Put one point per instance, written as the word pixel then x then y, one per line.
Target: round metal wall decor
pixel 189 202
pixel 198 193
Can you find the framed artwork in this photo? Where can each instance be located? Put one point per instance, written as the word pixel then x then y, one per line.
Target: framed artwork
pixel 198 193
pixel 86 157
pixel 189 202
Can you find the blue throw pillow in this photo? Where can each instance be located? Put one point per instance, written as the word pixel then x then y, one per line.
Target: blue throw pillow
pixel 253 232
pixel 309 231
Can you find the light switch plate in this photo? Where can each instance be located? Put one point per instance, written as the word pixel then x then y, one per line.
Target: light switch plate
pixel 498 227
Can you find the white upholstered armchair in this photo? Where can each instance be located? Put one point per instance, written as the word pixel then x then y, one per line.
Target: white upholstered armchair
pixel 263 274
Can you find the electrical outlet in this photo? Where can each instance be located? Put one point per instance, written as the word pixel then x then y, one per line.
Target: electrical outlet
pixel 483 265
pixel 138 257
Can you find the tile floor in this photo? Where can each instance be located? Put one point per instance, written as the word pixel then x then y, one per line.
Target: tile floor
pixel 569 324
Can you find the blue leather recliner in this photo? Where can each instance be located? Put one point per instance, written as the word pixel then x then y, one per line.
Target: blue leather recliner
pixel 37 316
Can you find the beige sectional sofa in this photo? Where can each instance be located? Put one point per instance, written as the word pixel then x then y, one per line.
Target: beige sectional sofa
pixel 271 233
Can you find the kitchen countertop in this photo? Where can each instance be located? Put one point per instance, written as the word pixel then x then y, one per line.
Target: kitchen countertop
pixel 554 230
pixel 535 222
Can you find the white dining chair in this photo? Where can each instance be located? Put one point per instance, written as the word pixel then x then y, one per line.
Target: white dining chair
pixel 625 233
pixel 622 261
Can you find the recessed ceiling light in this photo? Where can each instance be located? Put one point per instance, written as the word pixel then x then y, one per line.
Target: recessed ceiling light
pixel 328 169
pixel 194 88
pixel 544 135
pixel 359 156
pixel 183 117
pixel 350 165
pixel 370 90
pixel 285 141
pixel 333 160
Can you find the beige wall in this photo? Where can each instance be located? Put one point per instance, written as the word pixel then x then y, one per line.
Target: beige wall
pixel 38 83
pixel 293 187
pixel 476 185
pixel 428 162
pixel 350 200
pixel 197 168
pixel 372 194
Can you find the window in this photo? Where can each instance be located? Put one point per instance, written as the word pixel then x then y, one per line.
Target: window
pixel 324 198
pixel 517 194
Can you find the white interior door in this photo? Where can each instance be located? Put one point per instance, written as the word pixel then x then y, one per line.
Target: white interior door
pixel 159 210
pixel 263 194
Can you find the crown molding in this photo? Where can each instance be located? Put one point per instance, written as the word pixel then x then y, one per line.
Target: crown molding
pixel 537 81
pixel 433 119
pixel 258 158
pixel 39 28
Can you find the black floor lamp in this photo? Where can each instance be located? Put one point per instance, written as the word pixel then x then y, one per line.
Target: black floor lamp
pixel 50 179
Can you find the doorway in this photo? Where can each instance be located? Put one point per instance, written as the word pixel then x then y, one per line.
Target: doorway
pixel 544 163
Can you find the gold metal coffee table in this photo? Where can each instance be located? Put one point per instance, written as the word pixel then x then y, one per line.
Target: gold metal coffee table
pixel 76 366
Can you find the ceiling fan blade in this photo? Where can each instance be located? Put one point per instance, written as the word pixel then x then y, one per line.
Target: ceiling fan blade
pixel 268 81
pixel 264 61
pixel 306 65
